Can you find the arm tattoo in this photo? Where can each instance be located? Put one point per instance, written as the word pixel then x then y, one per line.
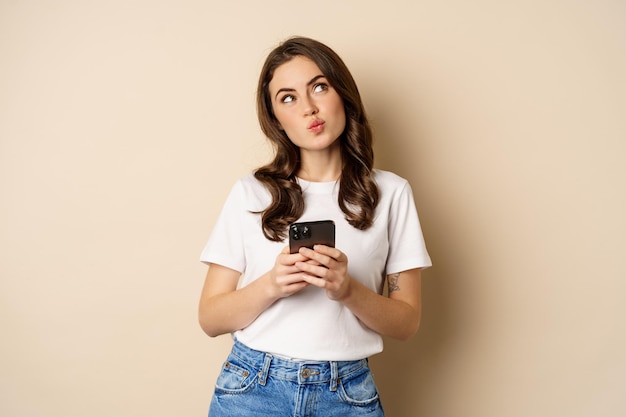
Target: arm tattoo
pixel 393 282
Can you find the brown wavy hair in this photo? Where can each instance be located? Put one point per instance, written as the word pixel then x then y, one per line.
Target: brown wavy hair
pixel 358 192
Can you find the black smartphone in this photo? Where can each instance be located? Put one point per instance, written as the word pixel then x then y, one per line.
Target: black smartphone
pixel 307 234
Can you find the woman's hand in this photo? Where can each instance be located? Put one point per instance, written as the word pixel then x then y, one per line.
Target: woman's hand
pixel 224 308
pixel 285 278
pixel 327 268
pixel 397 315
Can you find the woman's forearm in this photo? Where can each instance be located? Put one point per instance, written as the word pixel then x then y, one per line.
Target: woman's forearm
pixel 228 311
pixel 225 309
pixel 387 316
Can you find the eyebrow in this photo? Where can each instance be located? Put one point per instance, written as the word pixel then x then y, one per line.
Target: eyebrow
pixel 313 80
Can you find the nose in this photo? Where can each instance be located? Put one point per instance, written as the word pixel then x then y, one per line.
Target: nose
pixel 309 107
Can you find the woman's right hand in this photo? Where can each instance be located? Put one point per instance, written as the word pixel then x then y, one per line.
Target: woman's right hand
pixel 224 308
pixel 285 279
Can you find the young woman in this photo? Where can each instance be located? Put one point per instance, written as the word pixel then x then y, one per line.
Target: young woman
pixel 304 324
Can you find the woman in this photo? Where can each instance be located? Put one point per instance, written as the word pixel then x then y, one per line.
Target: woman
pixel 304 324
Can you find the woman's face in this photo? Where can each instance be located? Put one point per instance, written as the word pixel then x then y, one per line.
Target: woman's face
pixel 306 106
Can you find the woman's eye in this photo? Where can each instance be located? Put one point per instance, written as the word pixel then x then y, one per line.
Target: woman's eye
pixel 287 98
pixel 318 88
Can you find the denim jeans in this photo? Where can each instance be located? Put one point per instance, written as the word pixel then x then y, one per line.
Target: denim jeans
pixel 253 384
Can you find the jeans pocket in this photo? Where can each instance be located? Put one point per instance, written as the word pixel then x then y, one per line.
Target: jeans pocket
pixel 358 389
pixel 236 377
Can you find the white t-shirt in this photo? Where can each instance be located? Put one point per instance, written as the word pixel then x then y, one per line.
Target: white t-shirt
pixel 308 325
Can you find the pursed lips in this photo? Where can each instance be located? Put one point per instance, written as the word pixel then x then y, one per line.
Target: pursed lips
pixel 315 123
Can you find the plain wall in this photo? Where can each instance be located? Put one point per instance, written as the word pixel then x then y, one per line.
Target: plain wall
pixel 123 125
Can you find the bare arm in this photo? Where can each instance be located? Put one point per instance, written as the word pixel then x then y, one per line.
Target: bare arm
pixel 224 308
pixel 397 316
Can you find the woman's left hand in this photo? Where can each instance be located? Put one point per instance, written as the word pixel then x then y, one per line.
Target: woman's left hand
pixel 328 270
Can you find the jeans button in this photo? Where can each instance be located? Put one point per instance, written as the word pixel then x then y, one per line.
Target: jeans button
pixel 306 373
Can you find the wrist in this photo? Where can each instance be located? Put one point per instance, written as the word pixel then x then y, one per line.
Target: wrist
pixel 267 287
pixel 348 293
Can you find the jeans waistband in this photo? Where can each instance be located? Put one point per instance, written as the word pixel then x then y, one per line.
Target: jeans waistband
pixel 300 371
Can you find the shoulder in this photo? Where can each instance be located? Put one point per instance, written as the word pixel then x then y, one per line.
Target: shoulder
pixel 388 181
pixel 249 181
pixel 252 191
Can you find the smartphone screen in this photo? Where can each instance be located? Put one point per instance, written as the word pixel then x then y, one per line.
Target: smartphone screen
pixel 308 234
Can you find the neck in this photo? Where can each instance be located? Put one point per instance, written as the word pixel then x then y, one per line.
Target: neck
pixel 320 167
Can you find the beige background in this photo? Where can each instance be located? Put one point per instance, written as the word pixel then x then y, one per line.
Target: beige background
pixel 123 125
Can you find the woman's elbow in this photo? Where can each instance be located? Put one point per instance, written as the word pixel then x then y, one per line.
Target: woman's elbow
pixel 207 325
pixel 409 329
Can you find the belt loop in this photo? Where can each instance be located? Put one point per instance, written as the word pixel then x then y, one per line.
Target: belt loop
pixel 334 376
pixel 265 370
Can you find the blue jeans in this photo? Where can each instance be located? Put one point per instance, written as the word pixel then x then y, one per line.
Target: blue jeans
pixel 254 384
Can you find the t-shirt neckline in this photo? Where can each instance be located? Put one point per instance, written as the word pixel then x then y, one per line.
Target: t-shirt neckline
pixel 313 187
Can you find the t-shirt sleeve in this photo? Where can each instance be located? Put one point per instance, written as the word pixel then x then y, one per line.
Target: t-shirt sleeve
pixel 225 246
pixel 407 249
